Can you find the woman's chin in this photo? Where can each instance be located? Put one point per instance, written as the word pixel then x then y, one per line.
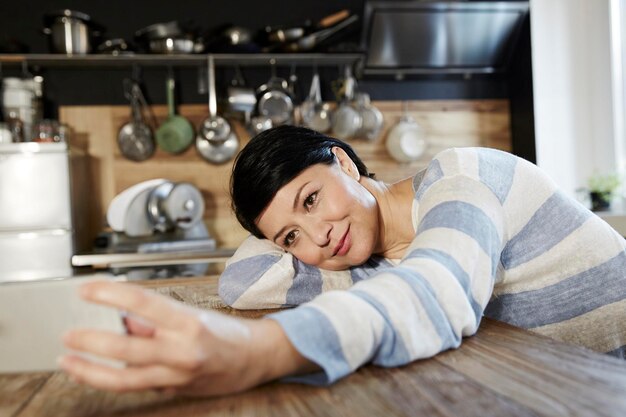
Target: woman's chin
pixel 346 262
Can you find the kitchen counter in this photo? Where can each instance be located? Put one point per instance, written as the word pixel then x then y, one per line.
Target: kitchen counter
pixel 616 216
pixel 501 371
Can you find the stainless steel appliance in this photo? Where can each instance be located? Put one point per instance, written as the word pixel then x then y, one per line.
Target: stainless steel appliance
pixel 440 37
pixel 36 233
pixel 157 232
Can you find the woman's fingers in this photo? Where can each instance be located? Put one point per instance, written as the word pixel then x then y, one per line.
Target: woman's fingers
pixel 138 327
pixel 121 380
pixel 172 351
pixel 158 309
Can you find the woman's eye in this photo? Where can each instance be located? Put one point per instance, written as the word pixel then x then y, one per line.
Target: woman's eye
pixel 289 238
pixel 310 200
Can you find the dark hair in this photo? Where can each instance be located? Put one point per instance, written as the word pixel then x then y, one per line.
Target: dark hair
pixel 272 159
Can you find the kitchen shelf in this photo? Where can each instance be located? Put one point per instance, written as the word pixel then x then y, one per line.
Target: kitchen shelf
pixel 122 260
pixel 95 60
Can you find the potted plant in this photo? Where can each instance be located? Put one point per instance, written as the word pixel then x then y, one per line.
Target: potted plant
pixel 602 190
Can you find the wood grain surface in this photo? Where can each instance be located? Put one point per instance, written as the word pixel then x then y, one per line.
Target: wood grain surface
pixel 447 123
pixel 501 371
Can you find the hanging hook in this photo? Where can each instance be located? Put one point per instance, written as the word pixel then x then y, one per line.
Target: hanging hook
pixel 25 72
pixel 136 72
pixel 273 67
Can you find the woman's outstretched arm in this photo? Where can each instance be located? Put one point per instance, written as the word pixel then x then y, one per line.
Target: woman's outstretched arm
pixel 178 348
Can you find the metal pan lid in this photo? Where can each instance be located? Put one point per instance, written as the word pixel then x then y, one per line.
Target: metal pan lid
pixel 49 17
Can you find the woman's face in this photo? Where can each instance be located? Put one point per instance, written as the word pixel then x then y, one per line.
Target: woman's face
pixel 324 216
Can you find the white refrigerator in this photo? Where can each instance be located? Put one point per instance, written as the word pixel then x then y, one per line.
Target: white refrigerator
pixel 36 234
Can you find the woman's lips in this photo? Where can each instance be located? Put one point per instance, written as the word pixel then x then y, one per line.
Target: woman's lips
pixel 344 244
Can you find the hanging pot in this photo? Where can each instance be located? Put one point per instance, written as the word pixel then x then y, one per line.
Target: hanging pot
pixel 316 115
pixel 346 121
pixel 372 118
pixel 274 101
pixel 176 133
pixel 406 140
pixel 135 139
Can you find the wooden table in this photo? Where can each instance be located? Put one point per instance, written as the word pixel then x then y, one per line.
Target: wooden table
pixel 501 371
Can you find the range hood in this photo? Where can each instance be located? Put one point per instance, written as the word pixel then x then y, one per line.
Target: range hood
pixel 435 37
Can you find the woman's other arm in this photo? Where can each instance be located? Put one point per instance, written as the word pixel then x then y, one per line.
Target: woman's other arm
pixel 261 275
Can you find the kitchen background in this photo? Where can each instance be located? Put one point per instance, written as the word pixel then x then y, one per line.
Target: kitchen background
pixel 464 108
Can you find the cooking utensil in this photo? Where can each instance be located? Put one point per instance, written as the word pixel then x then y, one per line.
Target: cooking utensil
pixel 240 97
pixel 406 140
pixel 308 42
pixel 213 127
pixel 237 35
pixel 218 152
pixel 333 18
pixel 160 30
pixel 282 34
pixel 71 32
pixel 216 141
pixel 172 45
pixel 316 115
pixel 257 124
pixel 135 139
pixel 274 100
pixel 117 46
pixel 372 117
pixel 346 121
pixel 292 83
pixel 176 133
pixel 169 38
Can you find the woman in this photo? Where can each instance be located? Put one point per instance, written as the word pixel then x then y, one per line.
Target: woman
pixel 475 222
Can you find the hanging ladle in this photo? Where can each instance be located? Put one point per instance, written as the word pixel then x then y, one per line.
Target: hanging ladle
pixel 216 141
pixel 214 128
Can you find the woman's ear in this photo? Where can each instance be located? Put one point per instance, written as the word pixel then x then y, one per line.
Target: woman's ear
pixel 346 163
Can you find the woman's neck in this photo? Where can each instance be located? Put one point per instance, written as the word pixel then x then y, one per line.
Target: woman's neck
pixel 395 202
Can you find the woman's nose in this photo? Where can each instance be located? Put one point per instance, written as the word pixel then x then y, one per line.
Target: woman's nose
pixel 319 231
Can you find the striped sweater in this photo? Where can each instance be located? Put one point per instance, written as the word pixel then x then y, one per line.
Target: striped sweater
pixel 493 236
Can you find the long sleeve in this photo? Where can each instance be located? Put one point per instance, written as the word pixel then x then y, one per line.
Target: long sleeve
pixel 426 304
pixel 261 275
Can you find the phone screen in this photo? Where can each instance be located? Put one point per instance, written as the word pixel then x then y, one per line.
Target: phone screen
pixel 34 315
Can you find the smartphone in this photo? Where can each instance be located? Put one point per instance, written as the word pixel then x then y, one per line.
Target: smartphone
pixel 34 315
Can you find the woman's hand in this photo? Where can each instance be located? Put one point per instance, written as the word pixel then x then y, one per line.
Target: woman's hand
pixel 177 348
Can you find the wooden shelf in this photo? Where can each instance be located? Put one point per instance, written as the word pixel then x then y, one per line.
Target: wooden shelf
pixel 95 60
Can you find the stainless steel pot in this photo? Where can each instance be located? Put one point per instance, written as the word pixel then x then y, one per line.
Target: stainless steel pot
pixel 346 120
pixel 71 32
pixel 169 38
pixel 240 97
pixel 316 115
